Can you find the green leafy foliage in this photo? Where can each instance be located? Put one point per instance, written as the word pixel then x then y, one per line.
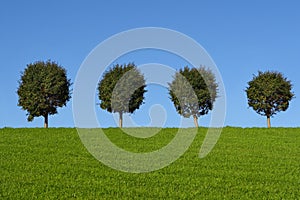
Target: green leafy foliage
pixel 193 91
pixel 122 89
pixel 252 163
pixel 43 88
pixel 269 93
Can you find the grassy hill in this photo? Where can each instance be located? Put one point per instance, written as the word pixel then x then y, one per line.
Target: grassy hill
pixel 245 164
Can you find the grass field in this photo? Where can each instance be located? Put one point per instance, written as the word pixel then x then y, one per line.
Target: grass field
pixel 245 164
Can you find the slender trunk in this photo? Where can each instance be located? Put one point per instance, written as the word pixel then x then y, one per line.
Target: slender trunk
pixel 196 121
pixel 269 121
pixel 121 120
pixel 46 121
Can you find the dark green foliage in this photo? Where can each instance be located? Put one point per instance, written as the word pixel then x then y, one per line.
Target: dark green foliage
pixel 43 87
pixel 193 91
pixel 122 89
pixel 269 93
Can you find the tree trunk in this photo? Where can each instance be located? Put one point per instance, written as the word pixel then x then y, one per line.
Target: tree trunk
pixel 196 121
pixel 121 120
pixel 46 121
pixel 269 121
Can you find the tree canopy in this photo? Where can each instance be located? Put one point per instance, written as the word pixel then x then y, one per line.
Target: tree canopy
pixel 193 92
pixel 43 88
pixel 122 89
pixel 269 93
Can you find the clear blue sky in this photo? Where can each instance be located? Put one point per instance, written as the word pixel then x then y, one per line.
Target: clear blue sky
pixel 242 37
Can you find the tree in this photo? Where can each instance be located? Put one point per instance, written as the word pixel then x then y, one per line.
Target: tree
pixel 193 92
pixel 269 93
pixel 122 90
pixel 43 87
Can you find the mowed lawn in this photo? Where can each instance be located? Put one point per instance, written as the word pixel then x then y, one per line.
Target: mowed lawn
pixel 245 164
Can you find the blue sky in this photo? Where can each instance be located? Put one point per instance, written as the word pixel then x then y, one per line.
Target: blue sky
pixel 242 37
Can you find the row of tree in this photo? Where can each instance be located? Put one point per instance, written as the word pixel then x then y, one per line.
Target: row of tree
pixel 44 87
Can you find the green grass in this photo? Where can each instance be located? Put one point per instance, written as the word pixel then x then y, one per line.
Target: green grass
pixel 244 164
